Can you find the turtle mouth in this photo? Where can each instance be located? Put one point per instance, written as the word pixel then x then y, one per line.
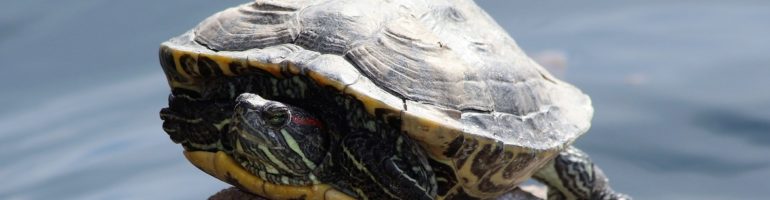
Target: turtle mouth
pixel 250 164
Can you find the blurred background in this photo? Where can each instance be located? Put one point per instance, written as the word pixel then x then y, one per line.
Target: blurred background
pixel 680 89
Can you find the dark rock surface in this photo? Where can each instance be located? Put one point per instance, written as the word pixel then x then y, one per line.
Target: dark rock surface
pixel 234 193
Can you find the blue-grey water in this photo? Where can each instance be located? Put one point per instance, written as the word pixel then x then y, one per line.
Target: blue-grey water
pixel 681 91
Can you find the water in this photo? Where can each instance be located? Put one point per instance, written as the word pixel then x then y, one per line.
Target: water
pixel 680 91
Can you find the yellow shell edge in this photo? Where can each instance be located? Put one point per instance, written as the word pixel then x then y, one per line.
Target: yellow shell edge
pixel 223 167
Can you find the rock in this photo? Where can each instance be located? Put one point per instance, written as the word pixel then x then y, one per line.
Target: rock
pixel 234 193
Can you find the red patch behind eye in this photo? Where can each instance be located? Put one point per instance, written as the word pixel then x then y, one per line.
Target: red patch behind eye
pixel 306 121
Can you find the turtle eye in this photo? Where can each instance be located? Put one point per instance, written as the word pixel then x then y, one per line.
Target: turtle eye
pixel 276 115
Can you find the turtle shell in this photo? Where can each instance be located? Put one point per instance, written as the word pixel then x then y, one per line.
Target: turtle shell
pixel 443 71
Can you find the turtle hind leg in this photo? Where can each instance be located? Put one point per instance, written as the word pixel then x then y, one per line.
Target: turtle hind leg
pixel 386 167
pixel 572 175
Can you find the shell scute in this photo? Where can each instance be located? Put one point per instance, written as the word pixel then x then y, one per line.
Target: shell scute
pixel 255 25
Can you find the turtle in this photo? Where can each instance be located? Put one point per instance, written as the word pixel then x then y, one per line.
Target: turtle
pixel 368 99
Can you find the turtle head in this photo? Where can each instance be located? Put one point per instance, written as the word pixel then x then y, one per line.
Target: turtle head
pixel 277 142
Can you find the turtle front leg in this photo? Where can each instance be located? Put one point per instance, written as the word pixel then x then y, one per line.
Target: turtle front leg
pixel 572 175
pixel 386 166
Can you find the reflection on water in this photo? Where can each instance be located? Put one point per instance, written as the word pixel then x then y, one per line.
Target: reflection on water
pixel 734 124
pixel 679 90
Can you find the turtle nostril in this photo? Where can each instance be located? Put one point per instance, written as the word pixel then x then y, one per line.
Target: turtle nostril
pixel 243 101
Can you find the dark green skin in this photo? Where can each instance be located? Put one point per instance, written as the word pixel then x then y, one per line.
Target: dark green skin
pixel 287 145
